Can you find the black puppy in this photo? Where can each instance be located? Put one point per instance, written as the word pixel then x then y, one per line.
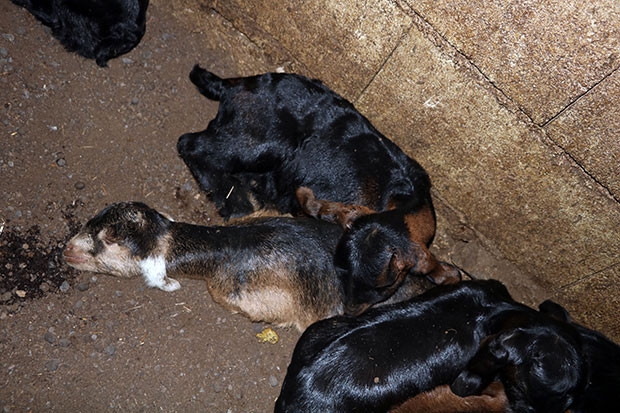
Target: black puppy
pixel 377 361
pixel 275 133
pixel 540 373
pixel 95 29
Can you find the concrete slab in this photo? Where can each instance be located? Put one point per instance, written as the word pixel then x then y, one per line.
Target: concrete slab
pixel 510 182
pixel 594 302
pixel 342 43
pixel 543 54
pixel 590 131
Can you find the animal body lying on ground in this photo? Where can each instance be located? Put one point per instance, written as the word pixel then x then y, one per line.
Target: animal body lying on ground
pixel 441 399
pixel 465 335
pixel 371 240
pixel 274 269
pixel 275 133
pixel 95 29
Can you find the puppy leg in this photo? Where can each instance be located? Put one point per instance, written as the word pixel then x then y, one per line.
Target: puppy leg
pixel 335 212
pixel 442 400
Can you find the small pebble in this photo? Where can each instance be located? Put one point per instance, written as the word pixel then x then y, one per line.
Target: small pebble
pixel 64 287
pixel 61 162
pixel 79 185
pixel 135 101
pixel 127 60
pixel 63 342
pixel 49 337
pixel 109 350
pixel 83 286
pixel 8 36
pixel 52 365
pixel 273 381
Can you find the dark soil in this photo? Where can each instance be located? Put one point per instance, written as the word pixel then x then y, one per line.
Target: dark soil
pixel 77 137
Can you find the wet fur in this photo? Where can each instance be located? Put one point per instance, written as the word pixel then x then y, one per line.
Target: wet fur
pixel 467 336
pixel 275 133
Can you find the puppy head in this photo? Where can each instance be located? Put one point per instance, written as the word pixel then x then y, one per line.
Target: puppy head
pixel 117 239
pixel 373 260
pixel 540 366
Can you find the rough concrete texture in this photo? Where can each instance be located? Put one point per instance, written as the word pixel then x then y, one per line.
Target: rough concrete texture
pixel 342 43
pixel 464 91
pixel 542 54
pixel 590 132
pixel 537 206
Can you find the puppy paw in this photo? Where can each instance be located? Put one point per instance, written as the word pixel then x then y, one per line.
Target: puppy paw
pixel 169 285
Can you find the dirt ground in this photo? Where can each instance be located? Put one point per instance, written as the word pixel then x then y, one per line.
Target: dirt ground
pixel 76 138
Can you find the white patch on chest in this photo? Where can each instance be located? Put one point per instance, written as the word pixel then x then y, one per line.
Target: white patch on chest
pixel 154 274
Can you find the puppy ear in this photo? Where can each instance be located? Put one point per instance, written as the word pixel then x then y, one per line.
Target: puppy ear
pixel 555 310
pixel 394 273
pixel 482 368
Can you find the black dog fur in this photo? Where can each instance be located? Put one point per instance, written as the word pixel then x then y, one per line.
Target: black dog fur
pixel 275 133
pixel 95 29
pixel 466 335
pixel 538 371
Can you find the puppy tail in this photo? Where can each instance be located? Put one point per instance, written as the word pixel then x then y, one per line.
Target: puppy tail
pixel 208 84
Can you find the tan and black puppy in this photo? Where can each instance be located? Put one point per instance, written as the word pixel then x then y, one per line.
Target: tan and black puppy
pixel 465 336
pixel 276 132
pixel 274 269
pixel 378 250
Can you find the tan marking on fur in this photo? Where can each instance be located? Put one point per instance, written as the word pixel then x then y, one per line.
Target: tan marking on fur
pixel 260 213
pixel 335 212
pixel 421 225
pixel 371 192
pixel 442 400
pixel 271 296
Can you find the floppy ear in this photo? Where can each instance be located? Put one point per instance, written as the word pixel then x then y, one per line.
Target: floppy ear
pixel 394 273
pixel 554 310
pixel 492 356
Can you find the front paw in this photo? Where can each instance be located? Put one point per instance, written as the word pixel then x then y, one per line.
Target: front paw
pixel 169 285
